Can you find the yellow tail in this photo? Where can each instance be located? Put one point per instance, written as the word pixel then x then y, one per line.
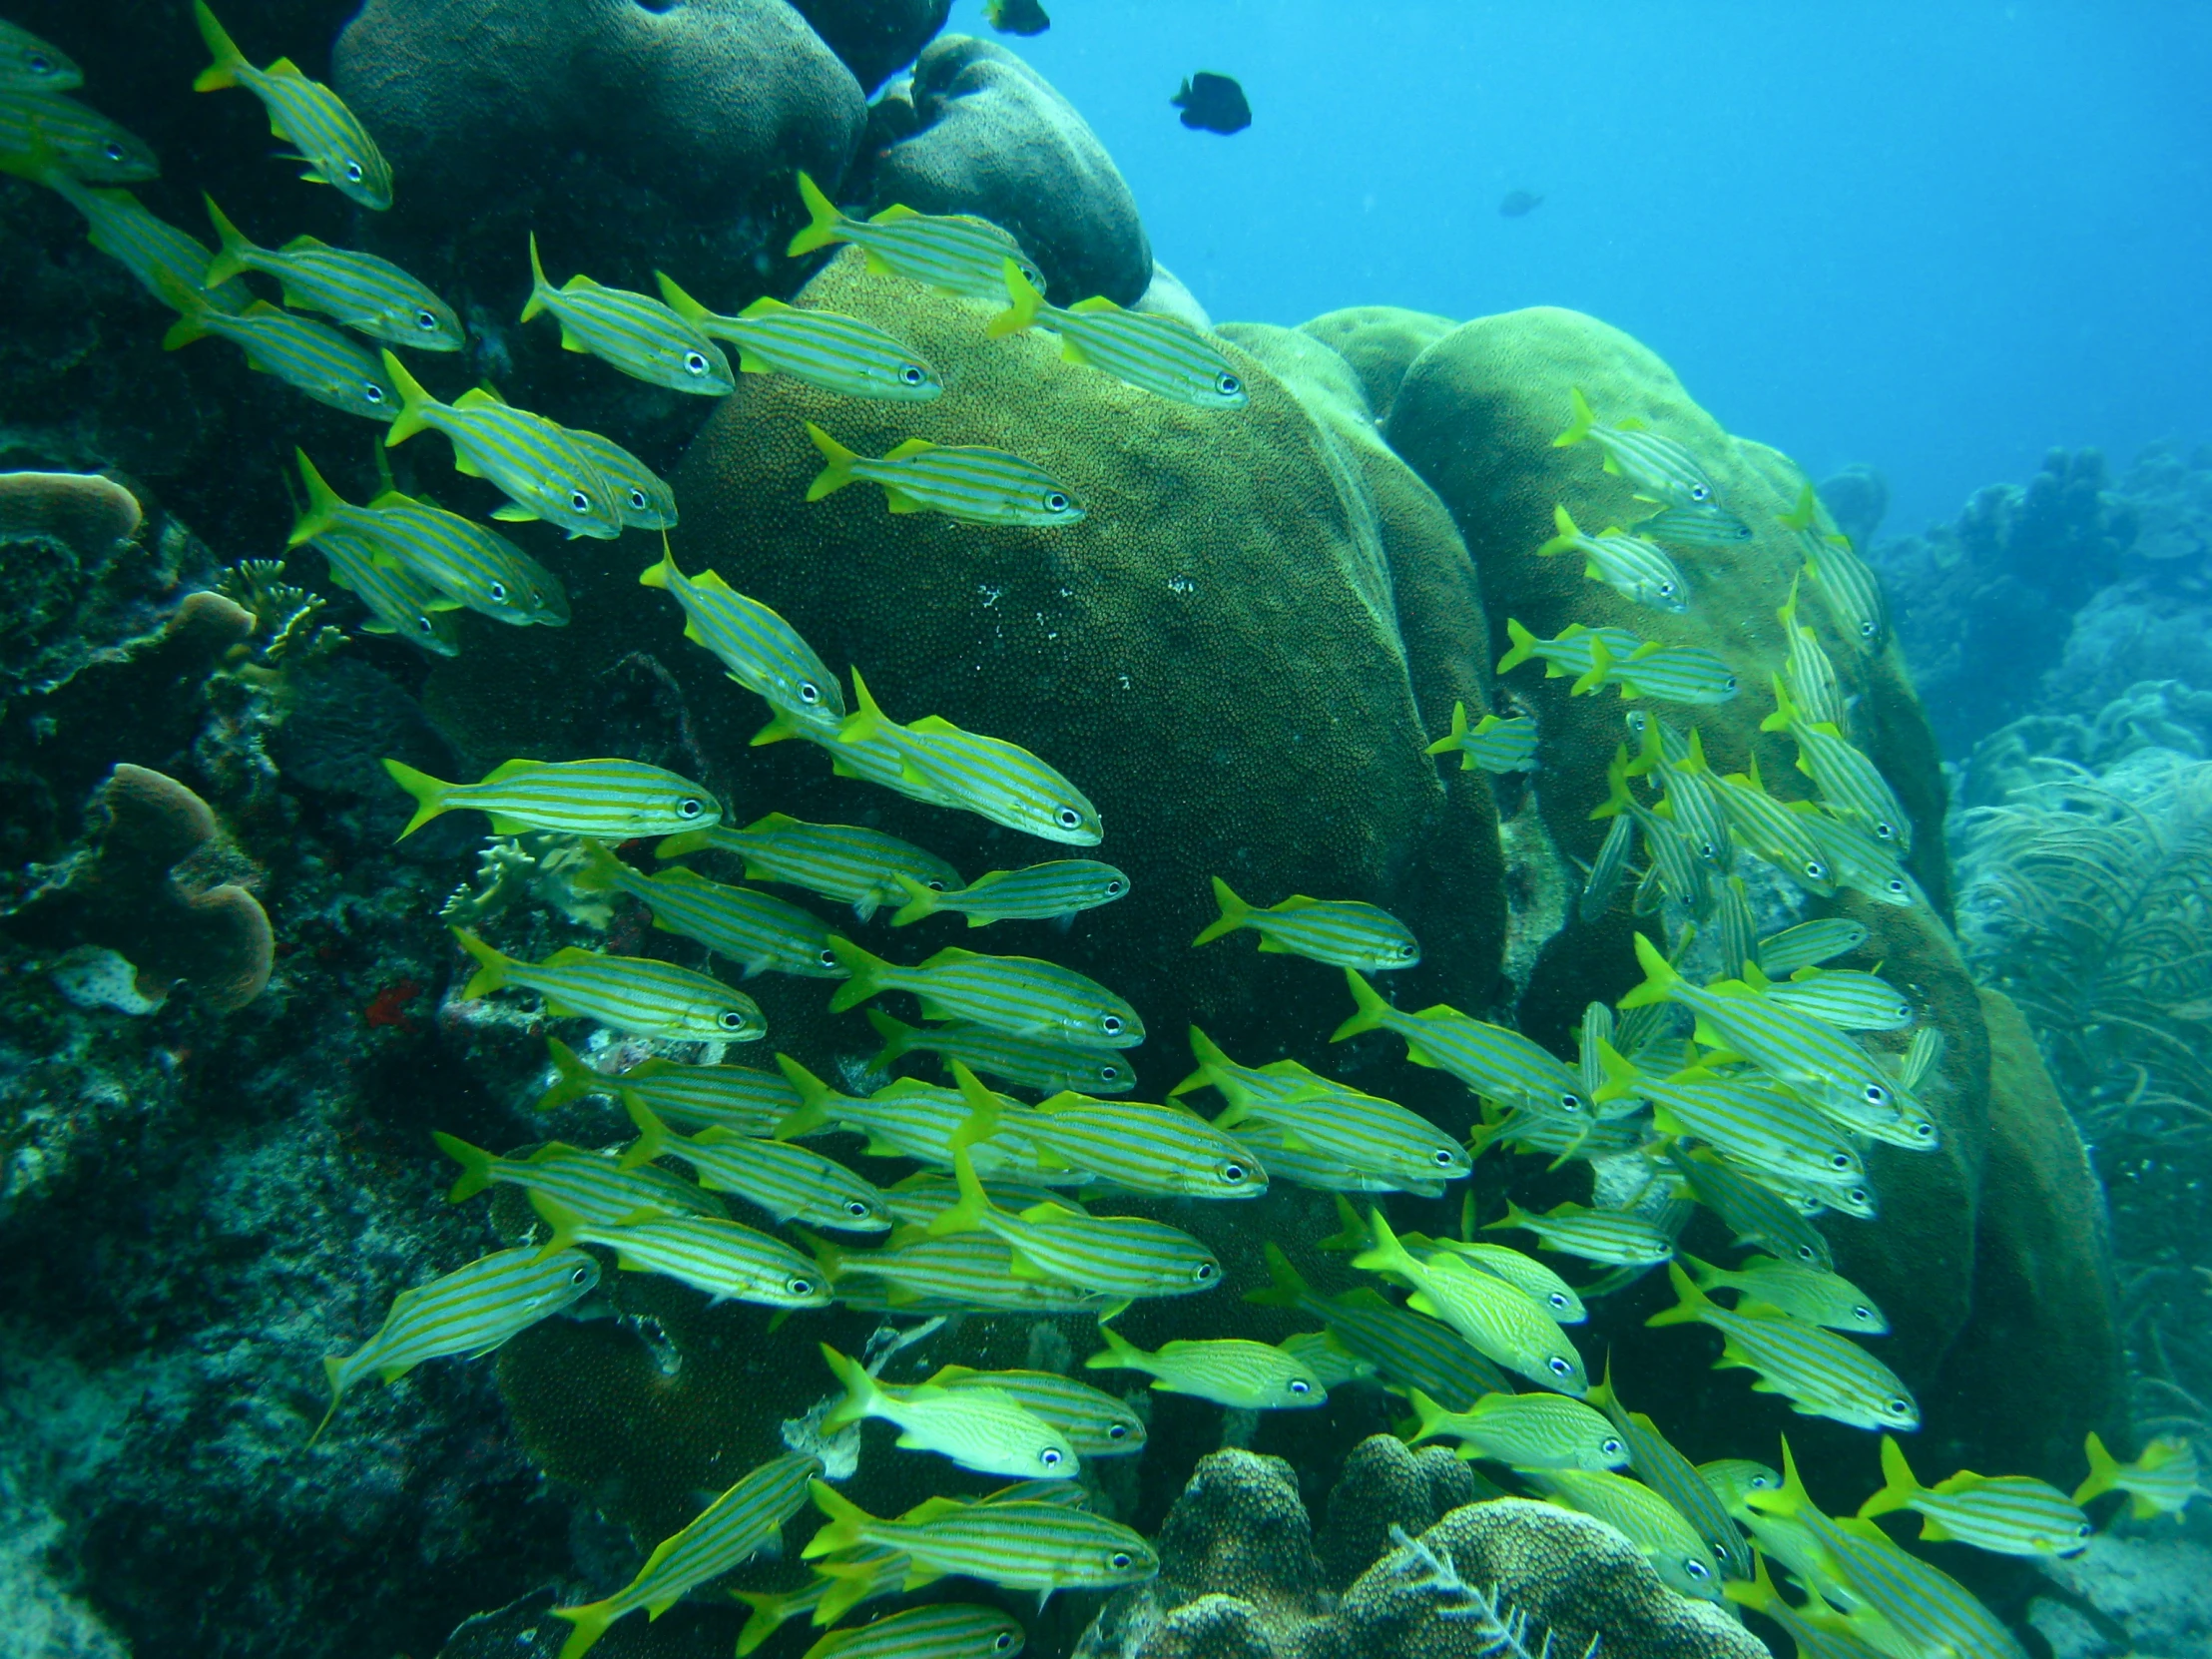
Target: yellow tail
pixel 490 975
pixel 838 473
pixel 921 902
pixel 475 1165
pixel 229 260
pixel 1369 1011
pixel 824 224
pixel 1234 913
pixel 228 60
pixel 591 1622
pixel 1564 541
pixel 1027 304
pixel 1579 427
pixel 2104 1471
pixel 324 507
pixel 1523 646
pixel 429 794
pixel 416 405
pixel 540 290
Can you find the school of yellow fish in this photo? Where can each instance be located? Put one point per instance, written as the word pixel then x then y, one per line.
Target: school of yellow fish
pixel 1757 1106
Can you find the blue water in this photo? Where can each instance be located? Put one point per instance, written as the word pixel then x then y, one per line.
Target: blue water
pixel 1937 239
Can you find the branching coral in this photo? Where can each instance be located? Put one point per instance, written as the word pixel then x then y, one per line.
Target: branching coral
pixel 287 631
pixel 1500 1632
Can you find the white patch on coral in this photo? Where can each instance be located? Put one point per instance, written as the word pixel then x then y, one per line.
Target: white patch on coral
pixel 93 976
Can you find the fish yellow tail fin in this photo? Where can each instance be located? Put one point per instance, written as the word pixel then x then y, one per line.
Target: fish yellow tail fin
pixel 591 1621
pixel 1564 541
pixel 1899 1487
pixel 824 224
pixel 1457 736
pixel 861 1392
pixel 1622 1079
pixel 851 1583
pixel 837 472
pixel 1617 798
pixel 813 1101
pixel 2104 1471
pixel 1121 1354
pixel 1234 913
pixel 842 1519
pixel 920 901
pixel 323 506
pixel 1601 671
pixel 868 971
pixel 1660 979
pixel 1805 513
pixel 1285 1286
pixel 416 405
pixel 682 304
pixel 663 575
pixel 1694 1302
pixel 1385 1254
pixel 600 870
pixel 540 290
pixel 1429 1414
pixel 1027 306
pixel 1523 646
pixel 228 60
pixel 1579 427
pixel 490 975
pixel 899 1039
pixel 654 1136
pixel 572 1078
pixel 967 1214
pixel 475 1165
pixel 430 793
pixel 1369 1011
pixel 230 257
pixel 867 721
pixel 1210 1058
pixel 333 1368
pixel 770 1613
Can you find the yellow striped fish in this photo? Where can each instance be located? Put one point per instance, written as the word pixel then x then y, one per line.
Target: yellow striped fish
pixel 957 252
pixel 613 798
pixel 542 471
pixel 1853 590
pixel 736 1098
pixel 308 355
pixel 1709 525
pixel 1603 877
pixel 626 993
pixel 2006 1515
pixel 471 1310
pixel 1290 1157
pixel 1341 932
pixel 1754 1212
pixel 905 1119
pixel 792 1183
pixel 642 498
pixel 399 599
pixel 1690 793
pixel 1025 1544
pixel 1636 569
pixel 983 1429
pixel 460 559
pixel 761 652
pixel 1024 1062
pixel 1842 997
pixel 965 482
pixel 1524 1273
pixel 1572 651
pixel 2159 1483
pixel 308 114
pixel 1914 1600
pixel 29 64
pixel 1807 670
pixel 1746 1117
pixel 1361 1131
pixel 757 931
pixel 711 1254
pixel 822 348
pixel 1645 1518
pixel 1528 1431
pixel 730 1531
pixel 1848 781
pixel 1496 1063
pixel 1611 1235
pixel 855 866
pixel 152 249
pixel 358 291
pixel 989 777
pixel 1021 995
pixel 1096 1423
pixel 943 1630
pixel 1663 469
pixel 968 1272
pixel 630 331
pixel 1807 1294
pixel 1675 1478
pixel 1769 831
pixel 1229 1371
pixel 1497 744
pixel 1500 1322
pixel 1140 1145
pixel 1036 893
pixel 1735 927
pixel 839 1585
pixel 1860 863
pixel 1808 944
pixel 1819 1373
pixel 1125 1257
pixel 47 138
pixel 1164 356
pixel 1818 1631
pixel 1667 673
pixel 1408 1351
pixel 589 1184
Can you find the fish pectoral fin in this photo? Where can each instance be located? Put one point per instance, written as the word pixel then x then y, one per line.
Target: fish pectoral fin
pixel 877 266
pixel 912 447
pixel 514 512
pixel 569 342
pixel 1269 947
pixel 747 363
pixel 900 501
pixel 507 825
pixel 1071 351
pixel 466 467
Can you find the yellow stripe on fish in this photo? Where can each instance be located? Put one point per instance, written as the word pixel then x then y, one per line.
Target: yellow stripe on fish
pixel 1021 995
pixel 331 140
pixel 29 64
pixel 633 332
pixel 1021 1545
pixel 1636 569
pixel 957 252
pixel 1164 356
pixel 2006 1515
pixel 358 291
pixel 50 139
pixel 626 993
pixel 1499 1321
pixel 1036 893
pixel 160 255
pixel 963 481
pixel 1024 1062
pixel 980 1429
pixel 1497 745
pixel 1341 932
pixel 1528 1431
pixel 822 348
pixel 757 931
pixel 758 649
pixel 612 799
pixel 844 861
pixel 308 355
pixel 1655 463
pixel 1232 1372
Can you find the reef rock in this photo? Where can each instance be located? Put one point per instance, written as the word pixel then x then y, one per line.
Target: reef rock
pixel 1238 1579
pixel 1381 344
pixel 995 139
pixel 874 38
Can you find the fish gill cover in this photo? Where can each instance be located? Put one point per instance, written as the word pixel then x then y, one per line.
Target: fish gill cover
pixel 942 1309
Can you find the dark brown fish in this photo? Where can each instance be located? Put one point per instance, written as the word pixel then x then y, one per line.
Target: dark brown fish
pixel 1518 204
pixel 1213 104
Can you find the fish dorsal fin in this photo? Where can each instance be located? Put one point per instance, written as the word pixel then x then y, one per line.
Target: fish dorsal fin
pixel 912 447
pixel 304 245
pixel 934 724
pixel 1631 423
pixel 573 953
pixel 392 498
pixel 284 66
pixel 767 305
pixel 1296 901
pixel 1096 302
pixel 479 397
pixel 1050 1210
pixel 893 213
pixel 949 956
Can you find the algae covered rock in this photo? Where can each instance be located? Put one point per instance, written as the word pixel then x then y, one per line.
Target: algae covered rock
pixel 1381 344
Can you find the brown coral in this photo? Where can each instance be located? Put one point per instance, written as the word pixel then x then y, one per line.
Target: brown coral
pixel 83 509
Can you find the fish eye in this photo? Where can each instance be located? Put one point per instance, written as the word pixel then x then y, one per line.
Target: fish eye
pixel 1666 590
pixel 38 64
pixel 1862 1312
pixel 1898 1408
pixel 2084 1531
pixel 911 376
pixel 1408 951
pixel 1228 386
pixel 499 592
pixel 1111 1025
pixel 688 806
pixel 1050 1458
pixel 1117 1431
pixel 1206 1272
pixel 1699 492
pixel 694 363
pixel 1866 629
pixel 1109 1074
pixel 1860 1195
pixel 855 1208
pixel 936 886
pixel 1570 1103
pixel 1896 886
pixel 1116 887
pixel 1119 1560
pixel 1816 870
pixel 426 624
pixel 638 502
pixel 1444 1156
pixel 799 1285
pixel 1611 1448
pixel 1559 1366
pixel 1036 277
pixel 808 693
pixel 1556 1299
pixel 1232 1174
pixel 1924 1128
pixel 427 321
pixel 373 391
pixel 1693 1569
pixel 731 1019
pixel 1300 1386
pixel 1067 817
pixel 1055 502
pixel 579 1275
pixel 1805 1253
pixel 829 958
pixel 354 172
pixel 1876 1095
pixel 1840 1160
pixel 112 149
pixel 1730 681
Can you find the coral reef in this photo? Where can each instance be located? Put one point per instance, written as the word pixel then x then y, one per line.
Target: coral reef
pixel 1381 344
pixel 1858 498
pixel 993 137
pixel 1238 1576
pixel 874 38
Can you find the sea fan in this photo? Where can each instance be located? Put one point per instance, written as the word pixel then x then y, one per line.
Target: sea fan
pixel 1499 1632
